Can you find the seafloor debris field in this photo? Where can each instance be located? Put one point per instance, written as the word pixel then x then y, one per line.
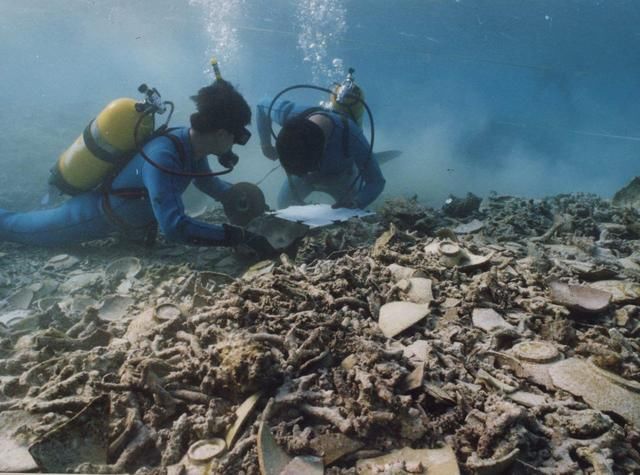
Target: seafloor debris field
pixel 489 337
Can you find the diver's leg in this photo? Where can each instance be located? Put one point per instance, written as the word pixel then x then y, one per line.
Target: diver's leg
pixel 293 192
pixel 79 219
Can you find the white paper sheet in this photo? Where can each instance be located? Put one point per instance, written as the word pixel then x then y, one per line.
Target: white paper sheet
pixel 319 215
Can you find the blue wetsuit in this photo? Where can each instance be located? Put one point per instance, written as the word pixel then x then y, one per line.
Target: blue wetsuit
pixel 141 196
pixel 339 168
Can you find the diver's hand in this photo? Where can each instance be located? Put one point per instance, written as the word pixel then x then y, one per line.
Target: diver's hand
pixel 248 243
pixel 348 203
pixel 270 152
pixel 259 245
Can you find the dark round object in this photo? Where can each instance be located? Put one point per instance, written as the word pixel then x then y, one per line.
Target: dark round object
pixel 243 202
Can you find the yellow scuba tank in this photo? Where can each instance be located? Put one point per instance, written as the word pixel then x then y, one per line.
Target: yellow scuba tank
pixel 104 144
pixel 348 98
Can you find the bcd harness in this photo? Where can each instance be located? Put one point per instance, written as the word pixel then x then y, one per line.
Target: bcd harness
pixel 149 229
pixel 345 144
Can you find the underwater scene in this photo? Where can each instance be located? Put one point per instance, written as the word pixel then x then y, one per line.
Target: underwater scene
pixel 320 237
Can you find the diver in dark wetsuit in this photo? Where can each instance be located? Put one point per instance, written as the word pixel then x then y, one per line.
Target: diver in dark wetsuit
pixel 321 150
pixel 143 196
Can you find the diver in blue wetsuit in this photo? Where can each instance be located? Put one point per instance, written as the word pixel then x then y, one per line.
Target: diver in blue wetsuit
pixel 320 150
pixel 143 197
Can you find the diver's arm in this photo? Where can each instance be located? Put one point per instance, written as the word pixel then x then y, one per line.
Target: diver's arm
pixel 368 168
pixel 211 185
pixel 281 111
pixel 165 197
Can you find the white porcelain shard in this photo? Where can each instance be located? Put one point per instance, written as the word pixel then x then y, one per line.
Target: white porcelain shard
pixel 488 319
pixel 580 297
pixel 395 317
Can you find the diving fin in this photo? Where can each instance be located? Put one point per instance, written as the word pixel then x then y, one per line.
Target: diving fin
pixel 386 156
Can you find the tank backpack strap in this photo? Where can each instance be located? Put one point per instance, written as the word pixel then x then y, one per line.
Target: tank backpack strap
pixel 177 143
pixel 345 136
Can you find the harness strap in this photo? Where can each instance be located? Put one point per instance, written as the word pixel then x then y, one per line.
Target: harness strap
pixel 135 194
pixel 140 193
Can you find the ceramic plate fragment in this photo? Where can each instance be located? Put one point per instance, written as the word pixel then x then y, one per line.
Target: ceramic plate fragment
pixel 395 317
pixel 242 414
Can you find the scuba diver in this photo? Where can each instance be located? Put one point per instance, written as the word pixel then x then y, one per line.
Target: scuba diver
pixel 322 148
pixel 136 198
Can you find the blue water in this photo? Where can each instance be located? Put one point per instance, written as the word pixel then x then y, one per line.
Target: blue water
pixel 520 97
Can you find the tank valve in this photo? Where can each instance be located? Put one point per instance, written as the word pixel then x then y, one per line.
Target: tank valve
pixel 152 101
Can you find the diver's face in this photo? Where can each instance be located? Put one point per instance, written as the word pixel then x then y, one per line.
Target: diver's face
pixel 220 141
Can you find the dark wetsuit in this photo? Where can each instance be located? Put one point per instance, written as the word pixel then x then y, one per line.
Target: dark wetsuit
pixel 343 161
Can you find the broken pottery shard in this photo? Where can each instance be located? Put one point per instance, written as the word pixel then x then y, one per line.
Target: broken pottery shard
pixel 242 414
pixel 124 267
pixel 469 228
pixel 452 255
pixel 332 447
pixel 349 362
pixel 304 464
pixel 438 393
pixel 61 262
pixel 414 379
pixel 166 311
pixel 82 439
pixel 528 399
pixel 78 304
pixel 579 297
pixel 417 351
pixel 141 325
pixel 115 307
pixel 588 271
pixel 536 351
pixel 629 263
pixel 203 451
pixel 623 291
pixel 19 320
pixel 492 466
pixel 80 281
pixel 488 319
pixel 450 303
pixel 13 446
pixel 535 359
pixel 396 317
pixel 419 290
pixel 401 272
pixel 21 300
pixel 432 461
pixel 599 388
pixel 272 460
pixel 46 304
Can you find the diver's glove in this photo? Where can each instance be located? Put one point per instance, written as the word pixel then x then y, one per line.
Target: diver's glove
pixel 247 242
